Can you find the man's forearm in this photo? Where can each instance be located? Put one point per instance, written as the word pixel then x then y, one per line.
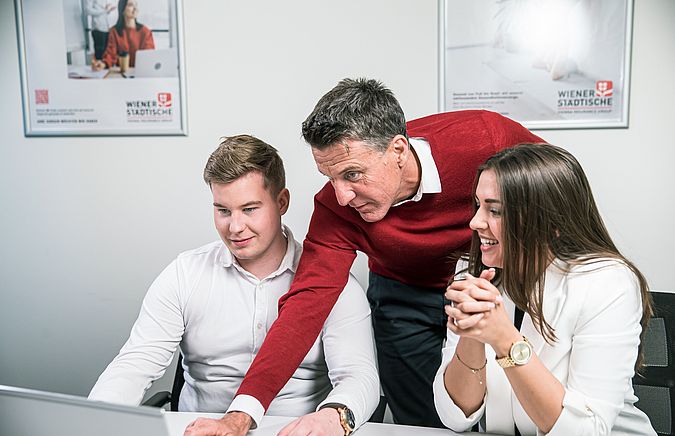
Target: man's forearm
pixel 286 344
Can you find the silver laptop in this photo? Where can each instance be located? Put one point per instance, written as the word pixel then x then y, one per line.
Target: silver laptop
pixel 156 63
pixel 37 413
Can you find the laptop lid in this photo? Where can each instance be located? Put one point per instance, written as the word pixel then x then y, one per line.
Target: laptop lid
pixel 38 413
pixel 156 63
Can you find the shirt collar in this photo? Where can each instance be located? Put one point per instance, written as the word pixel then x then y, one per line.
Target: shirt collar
pixel 288 263
pixel 430 181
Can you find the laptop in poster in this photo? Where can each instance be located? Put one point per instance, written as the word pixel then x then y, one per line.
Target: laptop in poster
pixel 38 413
pixel 156 63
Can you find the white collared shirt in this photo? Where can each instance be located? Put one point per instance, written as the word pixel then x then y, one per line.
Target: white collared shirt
pixel 430 181
pixel 595 309
pixel 220 313
pixel 99 15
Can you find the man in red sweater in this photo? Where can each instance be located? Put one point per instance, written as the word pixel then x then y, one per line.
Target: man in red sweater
pixel 400 193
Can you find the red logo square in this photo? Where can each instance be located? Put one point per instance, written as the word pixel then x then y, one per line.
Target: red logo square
pixel 604 88
pixel 164 99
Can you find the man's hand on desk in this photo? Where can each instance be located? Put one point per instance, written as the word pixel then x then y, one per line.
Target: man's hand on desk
pixel 232 424
pixel 324 422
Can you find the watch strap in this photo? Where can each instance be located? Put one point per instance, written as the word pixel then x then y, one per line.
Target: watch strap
pixel 346 416
pixel 506 362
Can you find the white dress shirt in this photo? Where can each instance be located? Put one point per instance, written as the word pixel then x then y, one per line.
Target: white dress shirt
pixel 595 310
pixel 430 181
pixel 219 314
pixel 99 15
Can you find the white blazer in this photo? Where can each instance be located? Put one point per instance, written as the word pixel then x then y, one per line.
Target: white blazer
pixel 595 310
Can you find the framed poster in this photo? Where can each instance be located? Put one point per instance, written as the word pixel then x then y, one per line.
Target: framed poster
pixel 102 67
pixel 551 64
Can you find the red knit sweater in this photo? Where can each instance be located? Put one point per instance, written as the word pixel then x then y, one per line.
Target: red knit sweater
pixel 130 41
pixel 410 244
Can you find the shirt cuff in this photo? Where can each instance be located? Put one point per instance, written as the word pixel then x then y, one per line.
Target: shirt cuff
pixel 249 405
pixel 359 419
pixel 571 419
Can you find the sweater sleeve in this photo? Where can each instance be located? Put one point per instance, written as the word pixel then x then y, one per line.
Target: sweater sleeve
pixel 147 42
pixel 110 54
pixel 328 253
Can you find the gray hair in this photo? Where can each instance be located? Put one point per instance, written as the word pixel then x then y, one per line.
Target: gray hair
pixel 360 109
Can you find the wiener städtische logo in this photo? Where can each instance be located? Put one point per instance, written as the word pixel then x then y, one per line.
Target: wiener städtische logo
pixel 164 99
pixel 600 97
pixel 159 109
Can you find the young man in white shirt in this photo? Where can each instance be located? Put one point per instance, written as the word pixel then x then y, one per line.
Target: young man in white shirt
pixel 217 303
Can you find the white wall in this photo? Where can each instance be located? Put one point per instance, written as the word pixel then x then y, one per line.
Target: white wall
pixel 87 223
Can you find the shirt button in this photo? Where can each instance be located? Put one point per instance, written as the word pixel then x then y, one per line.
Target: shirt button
pixel 259 325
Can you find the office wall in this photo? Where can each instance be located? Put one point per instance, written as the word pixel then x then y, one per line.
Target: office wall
pixel 87 223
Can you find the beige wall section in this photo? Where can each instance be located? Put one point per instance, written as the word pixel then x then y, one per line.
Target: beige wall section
pixel 87 223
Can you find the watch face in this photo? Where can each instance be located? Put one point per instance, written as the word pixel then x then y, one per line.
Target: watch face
pixel 521 352
pixel 349 417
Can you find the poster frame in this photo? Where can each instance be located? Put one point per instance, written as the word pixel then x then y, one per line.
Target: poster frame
pixel 28 103
pixel 589 122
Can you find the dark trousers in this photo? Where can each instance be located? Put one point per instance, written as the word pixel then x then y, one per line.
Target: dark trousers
pixel 100 42
pixel 410 327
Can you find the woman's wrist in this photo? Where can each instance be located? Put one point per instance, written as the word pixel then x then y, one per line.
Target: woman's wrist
pixel 470 352
pixel 502 347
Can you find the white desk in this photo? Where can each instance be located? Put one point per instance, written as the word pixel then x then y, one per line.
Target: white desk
pixel 177 421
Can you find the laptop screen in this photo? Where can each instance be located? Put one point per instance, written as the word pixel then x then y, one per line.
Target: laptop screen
pixel 156 63
pixel 31 412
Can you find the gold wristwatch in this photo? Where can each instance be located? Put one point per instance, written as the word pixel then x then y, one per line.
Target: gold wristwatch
pixel 520 353
pixel 346 417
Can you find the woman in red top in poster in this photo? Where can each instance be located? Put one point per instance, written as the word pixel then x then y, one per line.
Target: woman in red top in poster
pixel 125 37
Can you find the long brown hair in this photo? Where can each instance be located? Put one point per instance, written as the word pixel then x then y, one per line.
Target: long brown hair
pixel 547 212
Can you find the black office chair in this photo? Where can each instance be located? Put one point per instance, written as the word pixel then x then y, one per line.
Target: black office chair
pixel 160 399
pixel 655 387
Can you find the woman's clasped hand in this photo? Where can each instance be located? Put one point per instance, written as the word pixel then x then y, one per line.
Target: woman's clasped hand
pixel 477 309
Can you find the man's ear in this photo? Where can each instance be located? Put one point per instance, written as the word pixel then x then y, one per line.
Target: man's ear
pixel 283 200
pixel 401 148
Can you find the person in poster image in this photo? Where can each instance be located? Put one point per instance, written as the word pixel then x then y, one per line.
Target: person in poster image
pixel 100 11
pixel 400 193
pixel 544 329
pixel 217 302
pixel 125 38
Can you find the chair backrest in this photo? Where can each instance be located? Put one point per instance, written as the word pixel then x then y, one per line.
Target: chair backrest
pixel 655 386
pixel 178 382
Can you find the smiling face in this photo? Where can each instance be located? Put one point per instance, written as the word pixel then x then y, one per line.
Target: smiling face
pixel 368 180
pixel 487 221
pixel 248 220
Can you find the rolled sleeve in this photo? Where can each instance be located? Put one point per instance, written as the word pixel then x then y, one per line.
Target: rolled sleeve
pixel 450 414
pixel 578 417
pixel 604 349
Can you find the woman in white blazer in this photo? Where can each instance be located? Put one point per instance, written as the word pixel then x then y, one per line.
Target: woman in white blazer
pixel 562 363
